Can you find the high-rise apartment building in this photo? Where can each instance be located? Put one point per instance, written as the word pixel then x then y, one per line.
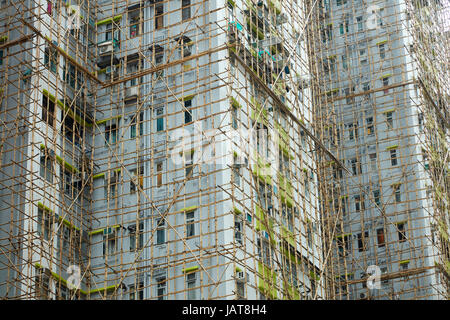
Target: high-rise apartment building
pixel 195 149
pixel 158 150
pixel 381 96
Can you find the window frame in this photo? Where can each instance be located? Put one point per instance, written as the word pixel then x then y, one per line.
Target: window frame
pixel 190 224
pixel 381 237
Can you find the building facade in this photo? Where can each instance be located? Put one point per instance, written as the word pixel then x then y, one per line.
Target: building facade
pixel 158 150
pixel 381 92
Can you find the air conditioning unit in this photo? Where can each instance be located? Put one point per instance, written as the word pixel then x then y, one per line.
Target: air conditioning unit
pixel 131 92
pixel 106 47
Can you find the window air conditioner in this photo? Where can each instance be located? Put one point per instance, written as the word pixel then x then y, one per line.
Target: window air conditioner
pixel 106 47
pixel 131 92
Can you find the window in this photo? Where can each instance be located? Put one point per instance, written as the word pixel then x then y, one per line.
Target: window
pixel 343 244
pixel 159 16
pixel 366 86
pixel 109 32
pixel 49 7
pixel 238 230
pixel 46 166
pixel 133 128
pixel 393 153
pixel 356 166
pixel 136 237
pixel 159 174
pixel 380 17
pixel 137 294
pixel 359 203
pixel 113 183
pixel 404 264
pixel 376 197
pixel 191 281
pixel 188 162
pixel 1 57
pixel 111 134
pixel 185 9
pixel 48 110
pixel 385 81
pixel 359 21
pixel 420 120
pixel 343 27
pixel 141 123
pixel 344 63
pixel 236 171
pixel 65 239
pixel 363 241
pixel 161 288
pixel 337 172
pixel 264 196
pixel 190 224
pixel 370 127
pixel 309 234
pixel 264 252
pixel 51 59
pixel 373 161
pixel 389 119
pixel 160 231
pixel 42 283
pixel 66 182
pixel 72 77
pixel 159 119
pixel 109 244
pixel 401 232
pixel 187 113
pixel 134 177
pixel 380 237
pixel 348 98
pixel 234 118
pixel 382 51
pixel 44 225
pixel 353 131
pixel 240 289
pixel 159 58
pixel 134 23
pixel 344 204
pixel 287 217
pixel 397 193
pixel 62 293
pixel 327 33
